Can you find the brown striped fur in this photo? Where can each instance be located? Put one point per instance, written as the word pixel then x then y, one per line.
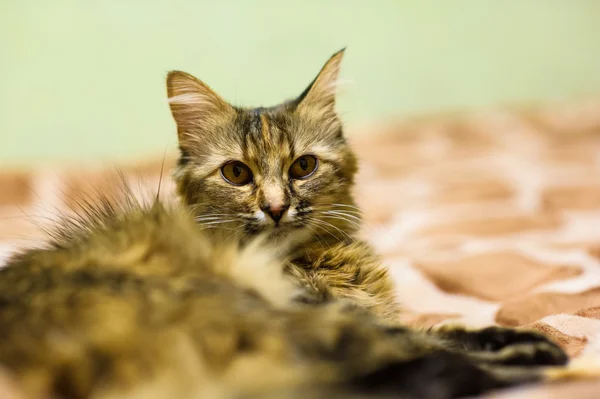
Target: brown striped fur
pixel 322 213
pixel 139 302
pixel 149 302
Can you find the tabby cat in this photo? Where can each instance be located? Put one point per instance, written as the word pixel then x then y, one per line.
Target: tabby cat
pixel 256 287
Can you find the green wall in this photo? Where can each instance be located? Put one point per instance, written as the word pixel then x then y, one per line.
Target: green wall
pixel 84 80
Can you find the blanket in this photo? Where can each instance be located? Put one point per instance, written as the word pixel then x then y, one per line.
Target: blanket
pixel 486 217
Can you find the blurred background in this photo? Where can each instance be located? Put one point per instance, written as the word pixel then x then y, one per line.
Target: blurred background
pixel 83 81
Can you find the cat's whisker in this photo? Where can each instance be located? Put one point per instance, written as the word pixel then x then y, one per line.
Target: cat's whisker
pixel 220 227
pixel 347 206
pixel 315 236
pixel 209 219
pixel 213 215
pixel 217 217
pixel 351 222
pixel 218 222
pixel 332 204
pixel 337 207
pixel 358 216
pixel 234 231
pixel 344 233
pixel 323 226
pixel 355 214
pixel 325 223
pixel 344 214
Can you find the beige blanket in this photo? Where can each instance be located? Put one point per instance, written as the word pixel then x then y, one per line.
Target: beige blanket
pixel 483 218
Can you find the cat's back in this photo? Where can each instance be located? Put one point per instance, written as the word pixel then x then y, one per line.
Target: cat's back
pixel 97 300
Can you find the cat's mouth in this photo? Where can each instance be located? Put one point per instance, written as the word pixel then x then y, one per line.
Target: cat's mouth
pixel 279 228
pixel 273 229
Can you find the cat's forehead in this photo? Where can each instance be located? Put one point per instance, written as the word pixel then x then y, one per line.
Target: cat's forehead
pixel 268 136
pixel 261 134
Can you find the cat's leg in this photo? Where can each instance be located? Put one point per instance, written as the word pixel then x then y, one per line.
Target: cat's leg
pixel 347 270
pixel 333 279
pixel 499 345
pixel 366 356
pixel 442 374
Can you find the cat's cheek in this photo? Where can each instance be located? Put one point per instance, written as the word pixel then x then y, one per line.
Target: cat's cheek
pixel 290 215
pixel 260 217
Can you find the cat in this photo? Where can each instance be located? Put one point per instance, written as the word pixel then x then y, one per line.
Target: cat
pixel 254 287
pixel 295 173
pixel 281 170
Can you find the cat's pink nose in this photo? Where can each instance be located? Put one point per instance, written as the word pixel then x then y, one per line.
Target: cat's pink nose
pixel 275 211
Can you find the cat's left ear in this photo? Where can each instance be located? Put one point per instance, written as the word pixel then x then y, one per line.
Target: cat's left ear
pixel 196 108
pixel 320 94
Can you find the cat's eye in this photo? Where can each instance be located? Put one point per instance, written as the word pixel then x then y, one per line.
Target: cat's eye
pixel 303 167
pixel 236 173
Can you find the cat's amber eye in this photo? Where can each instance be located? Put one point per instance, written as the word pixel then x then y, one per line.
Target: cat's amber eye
pixel 303 167
pixel 236 173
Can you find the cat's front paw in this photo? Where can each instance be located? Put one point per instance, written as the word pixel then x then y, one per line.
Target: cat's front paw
pixel 519 347
pixel 437 375
pixel 531 354
pixel 496 338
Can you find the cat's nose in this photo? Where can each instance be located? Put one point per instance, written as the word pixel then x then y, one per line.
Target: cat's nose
pixel 275 211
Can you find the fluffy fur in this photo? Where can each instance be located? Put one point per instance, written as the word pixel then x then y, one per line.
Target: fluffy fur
pixel 142 303
pixel 216 300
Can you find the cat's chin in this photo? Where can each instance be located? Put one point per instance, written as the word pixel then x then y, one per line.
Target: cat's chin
pixel 279 231
pixel 289 235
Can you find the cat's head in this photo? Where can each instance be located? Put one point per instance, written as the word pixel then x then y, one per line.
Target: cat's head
pixel 265 170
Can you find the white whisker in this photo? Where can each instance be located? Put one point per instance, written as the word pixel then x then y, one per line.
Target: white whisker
pixel 351 222
pixel 325 223
pixel 340 208
pixel 209 219
pixel 347 206
pixel 218 222
pixel 323 227
pixel 316 236
pixel 341 213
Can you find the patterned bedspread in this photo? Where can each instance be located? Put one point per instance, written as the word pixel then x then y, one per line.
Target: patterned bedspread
pixel 490 217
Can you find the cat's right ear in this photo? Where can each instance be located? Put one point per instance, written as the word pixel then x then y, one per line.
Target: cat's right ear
pixel 320 94
pixel 196 108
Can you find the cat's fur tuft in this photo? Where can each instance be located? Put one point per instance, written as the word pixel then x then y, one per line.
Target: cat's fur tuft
pixel 143 303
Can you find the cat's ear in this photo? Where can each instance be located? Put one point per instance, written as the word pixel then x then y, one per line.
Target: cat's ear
pixel 320 94
pixel 196 108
